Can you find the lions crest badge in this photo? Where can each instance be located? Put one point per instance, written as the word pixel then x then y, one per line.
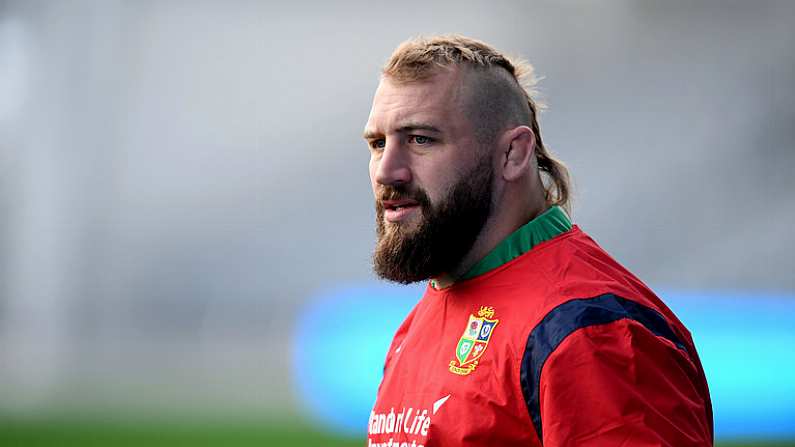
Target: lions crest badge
pixel 473 343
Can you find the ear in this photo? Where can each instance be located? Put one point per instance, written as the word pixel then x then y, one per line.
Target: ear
pixel 518 157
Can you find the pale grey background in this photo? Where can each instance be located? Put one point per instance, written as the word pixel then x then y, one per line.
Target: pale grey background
pixel 178 178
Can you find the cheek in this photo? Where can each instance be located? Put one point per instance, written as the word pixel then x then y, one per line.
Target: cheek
pixel 436 183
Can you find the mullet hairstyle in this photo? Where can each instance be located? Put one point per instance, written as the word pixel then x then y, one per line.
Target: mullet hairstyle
pixel 502 95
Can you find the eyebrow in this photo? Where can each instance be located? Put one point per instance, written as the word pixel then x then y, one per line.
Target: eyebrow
pixel 406 128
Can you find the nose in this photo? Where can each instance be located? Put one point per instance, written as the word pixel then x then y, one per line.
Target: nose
pixel 392 167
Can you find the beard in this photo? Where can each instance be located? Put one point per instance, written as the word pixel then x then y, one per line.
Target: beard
pixel 445 234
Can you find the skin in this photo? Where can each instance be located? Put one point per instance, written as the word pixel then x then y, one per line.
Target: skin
pixel 419 134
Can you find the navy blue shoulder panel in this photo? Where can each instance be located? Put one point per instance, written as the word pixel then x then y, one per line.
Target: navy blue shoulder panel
pixel 567 318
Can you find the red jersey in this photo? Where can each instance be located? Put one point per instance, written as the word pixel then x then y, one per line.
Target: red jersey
pixel 559 346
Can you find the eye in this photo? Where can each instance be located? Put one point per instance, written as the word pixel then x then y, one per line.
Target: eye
pixel 377 144
pixel 420 139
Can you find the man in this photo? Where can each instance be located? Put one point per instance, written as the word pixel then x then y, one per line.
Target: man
pixel 528 333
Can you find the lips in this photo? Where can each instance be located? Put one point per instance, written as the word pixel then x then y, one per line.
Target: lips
pixel 398 204
pixel 397 210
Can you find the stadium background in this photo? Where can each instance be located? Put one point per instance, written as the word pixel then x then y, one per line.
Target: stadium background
pixel 186 216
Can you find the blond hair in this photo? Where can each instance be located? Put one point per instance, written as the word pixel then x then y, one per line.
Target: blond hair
pixel 505 90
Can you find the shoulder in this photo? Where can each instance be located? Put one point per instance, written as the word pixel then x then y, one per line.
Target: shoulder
pixel 607 360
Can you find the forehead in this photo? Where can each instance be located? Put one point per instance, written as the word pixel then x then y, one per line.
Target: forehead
pixel 437 100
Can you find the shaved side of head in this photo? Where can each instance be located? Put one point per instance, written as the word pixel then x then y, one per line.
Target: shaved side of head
pixel 495 101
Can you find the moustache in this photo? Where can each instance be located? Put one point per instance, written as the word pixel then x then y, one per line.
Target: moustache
pixel 402 192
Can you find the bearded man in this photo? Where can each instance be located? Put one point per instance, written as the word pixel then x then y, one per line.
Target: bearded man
pixel 528 333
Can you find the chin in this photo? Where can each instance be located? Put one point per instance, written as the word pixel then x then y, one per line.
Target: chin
pixel 411 223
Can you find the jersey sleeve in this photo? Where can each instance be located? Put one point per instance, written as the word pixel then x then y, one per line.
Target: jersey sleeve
pixel 619 384
pixel 609 371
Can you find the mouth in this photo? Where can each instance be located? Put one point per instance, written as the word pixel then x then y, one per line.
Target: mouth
pixel 398 210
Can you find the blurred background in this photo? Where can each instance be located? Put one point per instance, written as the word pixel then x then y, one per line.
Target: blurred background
pixel 186 221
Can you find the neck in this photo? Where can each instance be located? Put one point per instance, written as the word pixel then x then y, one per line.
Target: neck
pixel 497 227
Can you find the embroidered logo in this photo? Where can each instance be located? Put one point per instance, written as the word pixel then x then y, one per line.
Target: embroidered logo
pixel 473 343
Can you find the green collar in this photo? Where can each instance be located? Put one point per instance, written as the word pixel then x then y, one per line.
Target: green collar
pixel 547 225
